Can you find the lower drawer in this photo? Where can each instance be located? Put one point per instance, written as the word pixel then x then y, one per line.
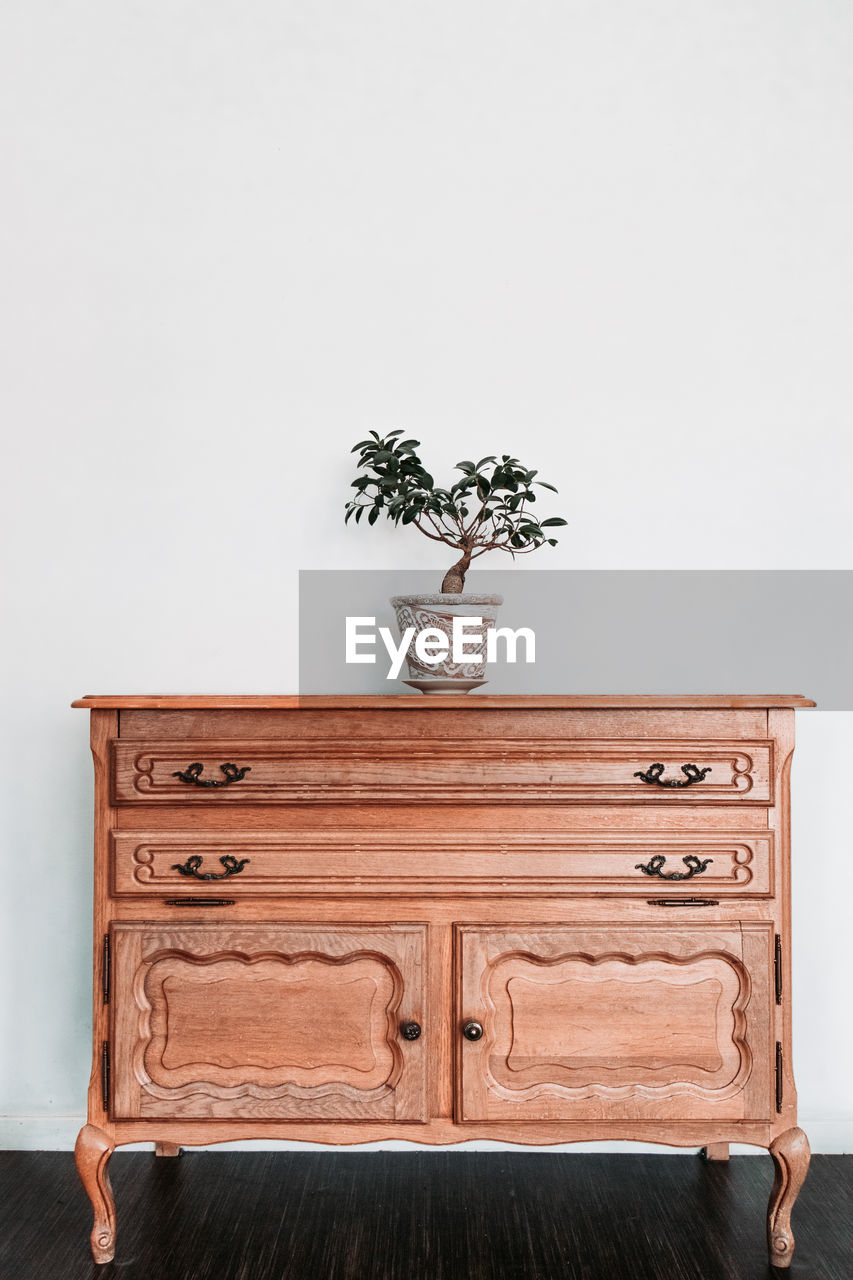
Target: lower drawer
pixel 296 863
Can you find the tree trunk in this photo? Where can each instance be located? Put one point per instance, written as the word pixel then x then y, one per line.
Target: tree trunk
pixel 454 579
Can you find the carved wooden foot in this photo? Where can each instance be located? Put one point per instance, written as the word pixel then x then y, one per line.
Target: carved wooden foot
pixel 791 1155
pixel 91 1154
pixel 716 1151
pixel 166 1149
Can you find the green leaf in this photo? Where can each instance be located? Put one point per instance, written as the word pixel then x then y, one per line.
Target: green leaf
pixel 552 542
pixel 543 485
pixel 409 515
pixel 359 514
pixel 373 515
pixel 552 521
pixel 465 466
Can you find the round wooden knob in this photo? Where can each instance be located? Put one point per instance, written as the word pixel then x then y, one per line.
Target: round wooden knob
pixel 473 1031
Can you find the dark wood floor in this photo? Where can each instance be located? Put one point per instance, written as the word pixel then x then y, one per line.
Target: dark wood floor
pixel 421 1216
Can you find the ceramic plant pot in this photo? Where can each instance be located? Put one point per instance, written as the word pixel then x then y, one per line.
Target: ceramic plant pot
pixel 436 612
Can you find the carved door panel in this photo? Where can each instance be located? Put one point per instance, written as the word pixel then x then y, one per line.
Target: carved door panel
pixel 268 1022
pixel 616 1022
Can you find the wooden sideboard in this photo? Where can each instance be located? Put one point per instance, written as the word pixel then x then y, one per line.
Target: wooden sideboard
pixel 534 919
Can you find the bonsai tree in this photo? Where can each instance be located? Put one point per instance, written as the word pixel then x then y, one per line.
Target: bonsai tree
pixel 487 509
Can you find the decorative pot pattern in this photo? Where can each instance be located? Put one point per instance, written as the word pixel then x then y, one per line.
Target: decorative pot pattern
pixel 436 612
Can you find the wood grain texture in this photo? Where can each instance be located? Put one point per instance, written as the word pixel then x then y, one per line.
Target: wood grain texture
pixel 781 724
pixel 447 1131
pixel 790 1152
pixel 91 1155
pixel 336 911
pixel 463 719
pixel 616 1021
pixel 344 862
pixel 472 816
pixel 268 1022
pixel 407 859
pixel 103 729
pixel 252 701
pixel 391 773
pixel 415 1215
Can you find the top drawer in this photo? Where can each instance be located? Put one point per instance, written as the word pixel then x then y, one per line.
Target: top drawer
pixel 493 771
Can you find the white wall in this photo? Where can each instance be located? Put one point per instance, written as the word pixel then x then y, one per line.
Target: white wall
pixel 612 237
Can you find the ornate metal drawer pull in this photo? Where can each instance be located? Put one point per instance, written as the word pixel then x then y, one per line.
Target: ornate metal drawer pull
pixel 232 866
pixel 410 1030
pixel 695 867
pixel 691 771
pixel 232 774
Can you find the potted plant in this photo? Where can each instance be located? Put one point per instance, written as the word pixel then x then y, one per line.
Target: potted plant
pixel 486 509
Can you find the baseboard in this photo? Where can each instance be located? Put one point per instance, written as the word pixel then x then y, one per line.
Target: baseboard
pixel 58 1133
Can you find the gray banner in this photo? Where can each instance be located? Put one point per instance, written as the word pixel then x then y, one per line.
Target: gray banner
pixel 609 631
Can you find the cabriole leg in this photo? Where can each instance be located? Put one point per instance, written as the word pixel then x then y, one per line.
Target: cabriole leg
pixel 91 1154
pixel 166 1149
pixel 791 1154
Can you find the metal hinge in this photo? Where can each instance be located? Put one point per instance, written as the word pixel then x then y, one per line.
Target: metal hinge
pixel 778 1076
pixel 106 968
pixel 777 966
pixel 105 1075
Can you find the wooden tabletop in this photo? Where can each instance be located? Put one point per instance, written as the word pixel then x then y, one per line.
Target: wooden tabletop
pixel 402 702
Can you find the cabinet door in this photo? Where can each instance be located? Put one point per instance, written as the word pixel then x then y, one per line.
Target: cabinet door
pixel 268 1022
pixel 616 1022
